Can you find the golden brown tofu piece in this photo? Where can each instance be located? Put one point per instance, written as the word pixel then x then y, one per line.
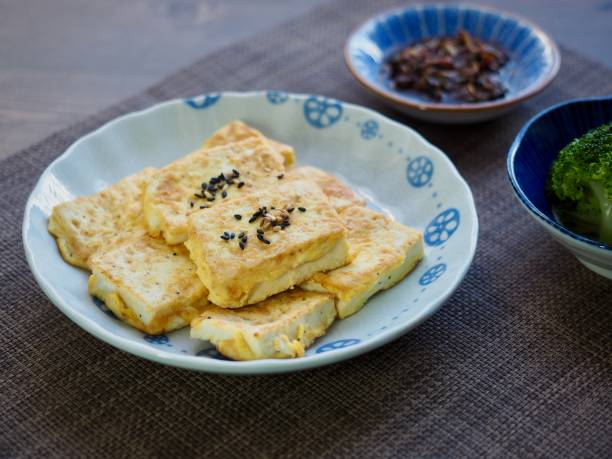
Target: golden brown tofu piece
pixel 85 224
pixel 148 284
pixel 175 192
pixel 339 193
pixel 282 326
pixel 236 131
pixel 292 232
pixel 383 252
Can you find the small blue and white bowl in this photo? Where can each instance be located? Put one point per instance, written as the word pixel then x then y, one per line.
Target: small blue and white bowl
pixel 530 157
pixel 534 59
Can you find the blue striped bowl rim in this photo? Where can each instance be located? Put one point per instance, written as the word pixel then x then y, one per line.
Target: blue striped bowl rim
pixel 520 194
pixel 550 72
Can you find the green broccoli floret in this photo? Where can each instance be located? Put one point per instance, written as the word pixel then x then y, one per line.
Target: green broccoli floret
pixel 582 175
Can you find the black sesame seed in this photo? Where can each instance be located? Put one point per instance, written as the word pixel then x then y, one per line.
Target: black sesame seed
pixel 253 218
pixel 214 180
pixel 229 181
pixel 241 235
pixel 204 185
pixel 224 194
pixel 191 204
pixel 210 198
pixel 244 239
pixel 260 236
pixel 174 254
pixel 260 231
pixel 290 209
pixel 221 176
pixel 211 188
pixel 236 173
pixel 232 235
pixel 241 245
pixel 238 216
pixel 280 176
pixel 265 241
pixel 240 184
pixel 200 196
pixel 301 209
pixel 220 186
pixel 225 237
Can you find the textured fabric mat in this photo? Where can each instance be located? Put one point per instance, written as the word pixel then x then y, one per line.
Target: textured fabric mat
pixel 516 364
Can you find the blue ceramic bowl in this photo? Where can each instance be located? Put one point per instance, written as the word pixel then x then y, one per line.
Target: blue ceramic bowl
pixel 534 57
pixel 535 148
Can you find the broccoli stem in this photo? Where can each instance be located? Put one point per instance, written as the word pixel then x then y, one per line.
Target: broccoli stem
pixel 605 226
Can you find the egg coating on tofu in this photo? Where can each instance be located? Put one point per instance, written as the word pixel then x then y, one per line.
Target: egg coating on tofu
pixel 338 193
pixel 85 224
pixel 383 252
pixel 308 237
pixel 282 326
pixel 148 284
pixel 236 131
pixel 175 191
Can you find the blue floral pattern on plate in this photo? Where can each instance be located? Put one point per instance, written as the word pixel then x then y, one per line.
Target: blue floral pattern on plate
pixel 338 344
pixel 322 112
pixel 432 274
pixel 442 227
pixel 156 339
pixel 211 353
pixel 277 97
pixel 419 171
pixel 203 101
pixel 369 130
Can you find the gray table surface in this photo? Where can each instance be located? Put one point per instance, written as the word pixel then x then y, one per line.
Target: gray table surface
pixel 62 60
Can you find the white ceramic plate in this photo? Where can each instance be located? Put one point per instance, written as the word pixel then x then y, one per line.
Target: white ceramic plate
pixel 391 165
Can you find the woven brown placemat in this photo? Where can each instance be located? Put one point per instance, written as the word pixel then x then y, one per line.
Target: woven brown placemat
pixel 516 364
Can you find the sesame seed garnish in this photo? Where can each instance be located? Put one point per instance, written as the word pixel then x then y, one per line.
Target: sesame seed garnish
pixel 191 204
pixel 236 173
pixel 262 239
pixel 241 245
pixel 232 235
pixel 225 236
pixel 240 184
pixel 224 194
pixel 260 231
pixel 280 176
pixel 301 209
pixel 241 235
pixel 199 196
pixel 210 198
pixel 244 239
pixel 204 207
pixel 238 216
pixel 174 254
pixel 290 209
pixel 204 185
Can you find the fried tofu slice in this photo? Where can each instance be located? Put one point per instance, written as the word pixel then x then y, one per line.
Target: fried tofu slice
pixel 148 284
pixel 383 252
pixel 85 224
pixel 282 326
pixel 175 191
pixel 339 194
pixel 300 234
pixel 236 131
